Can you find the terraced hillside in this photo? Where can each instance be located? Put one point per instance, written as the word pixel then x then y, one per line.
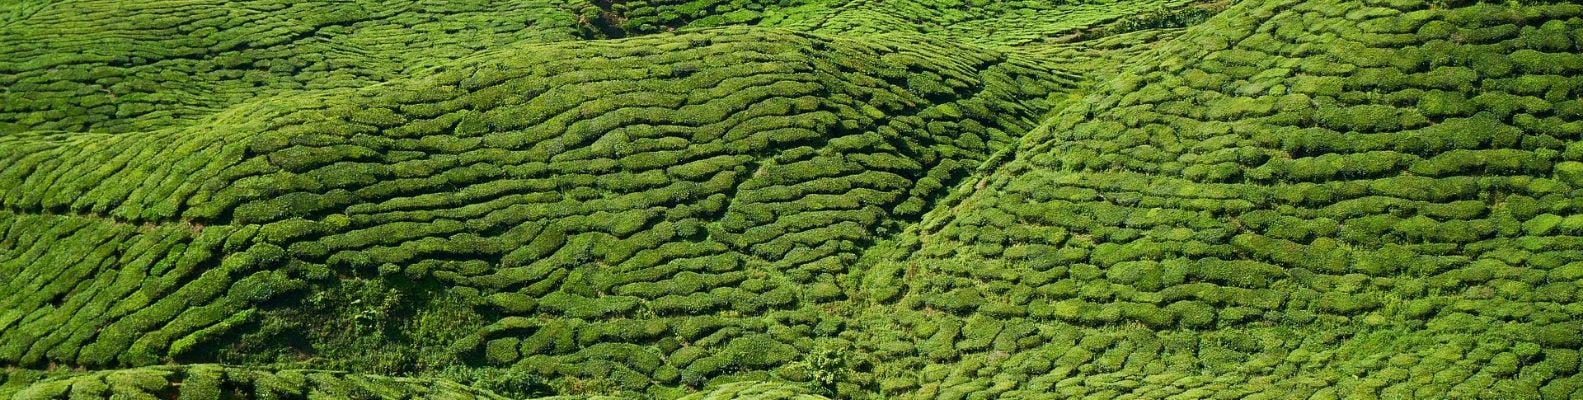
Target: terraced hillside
pixel 1301 200
pixel 791 200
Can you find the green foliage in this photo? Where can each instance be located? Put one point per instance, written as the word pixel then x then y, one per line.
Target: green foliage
pixel 831 364
pixel 1439 103
pixel 1570 172
pixel 901 199
pixel 755 390
pixel 513 303
pixel 1192 314
pixel 1248 274
pixel 758 351
pixel 501 351
pixel 1366 118
pixel 209 381
pixel 508 382
pixel 1559 335
pixel 958 300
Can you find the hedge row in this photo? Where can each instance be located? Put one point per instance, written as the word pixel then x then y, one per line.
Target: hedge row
pixel 213 382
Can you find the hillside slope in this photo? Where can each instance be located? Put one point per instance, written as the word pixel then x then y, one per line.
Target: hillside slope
pixel 791 200
pixel 718 179
pixel 1292 200
pixel 116 66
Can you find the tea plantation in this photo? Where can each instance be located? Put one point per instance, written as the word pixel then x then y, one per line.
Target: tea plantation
pixel 793 199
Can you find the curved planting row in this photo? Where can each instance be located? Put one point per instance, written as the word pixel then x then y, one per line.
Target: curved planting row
pixel 211 381
pixel 992 23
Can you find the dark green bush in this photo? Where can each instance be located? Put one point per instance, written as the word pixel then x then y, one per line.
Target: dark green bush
pixel 501 351
pixel 512 303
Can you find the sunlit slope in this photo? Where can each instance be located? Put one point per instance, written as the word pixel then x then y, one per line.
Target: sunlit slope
pixel 640 214
pixel 99 269
pixel 996 23
pixel 116 66
pixel 1315 199
pixel 122 66
pixel 822 199
pixel 657 211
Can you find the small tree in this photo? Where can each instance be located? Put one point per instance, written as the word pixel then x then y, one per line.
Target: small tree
pixel 829 365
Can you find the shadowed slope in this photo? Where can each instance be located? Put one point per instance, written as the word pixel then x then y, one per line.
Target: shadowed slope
pixel 207 381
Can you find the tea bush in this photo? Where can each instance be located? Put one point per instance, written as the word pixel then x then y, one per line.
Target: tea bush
pixel 1124 199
